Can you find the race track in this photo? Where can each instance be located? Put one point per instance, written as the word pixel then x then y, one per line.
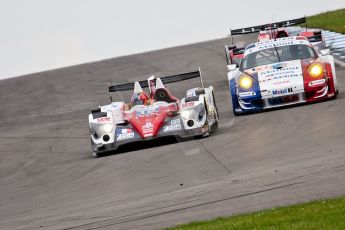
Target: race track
pixel 50 181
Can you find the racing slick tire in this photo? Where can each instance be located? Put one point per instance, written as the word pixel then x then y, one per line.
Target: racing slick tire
pixel 336 94
pixel 208 132
pixel 215 105
pixel 216 115
pixel 95 155
pixel 228 61
pixel 214 126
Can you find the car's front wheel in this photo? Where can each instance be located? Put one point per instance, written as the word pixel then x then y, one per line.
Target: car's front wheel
pixel 95 155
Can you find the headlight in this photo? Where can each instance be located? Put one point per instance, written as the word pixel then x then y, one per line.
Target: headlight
pixel 245 82
pixel 315 70
pixel 187 114
pixel 193 113
pixel 106 128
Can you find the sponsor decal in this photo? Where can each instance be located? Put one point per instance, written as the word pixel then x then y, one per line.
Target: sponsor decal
pixel 176 121
pixel 188 104
pixel 123 134
pixel 317 82
pixel 126 130
pixel 103 119
pixel 247 94
pixel 174 125
pixel 281 82
pixel 273 43
pixel 280 77
pixel 279 73
pixel 147 128
pixel 147 111
pixel 281 91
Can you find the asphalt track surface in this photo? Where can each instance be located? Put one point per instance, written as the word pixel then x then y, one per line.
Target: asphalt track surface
pixel 50 181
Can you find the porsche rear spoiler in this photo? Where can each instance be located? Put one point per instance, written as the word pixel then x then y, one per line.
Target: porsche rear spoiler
pixel 165 80
pixel 275 25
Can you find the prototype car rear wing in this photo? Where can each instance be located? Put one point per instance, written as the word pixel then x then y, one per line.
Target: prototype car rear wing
pixel 275 25
pixel 165 80
pixel 272 26
pixel 151 82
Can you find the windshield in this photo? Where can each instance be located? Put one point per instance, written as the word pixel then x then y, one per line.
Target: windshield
pixel 236 60
pixel 277 54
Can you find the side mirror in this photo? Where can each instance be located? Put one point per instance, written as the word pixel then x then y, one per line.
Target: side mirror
pixel 325 52
pixel 232 67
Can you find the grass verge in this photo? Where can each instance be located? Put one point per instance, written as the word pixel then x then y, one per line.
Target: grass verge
pixel 324 214
pixel 333 21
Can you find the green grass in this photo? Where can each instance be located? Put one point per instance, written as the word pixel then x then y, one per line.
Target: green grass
pixel 325 214
pixel 333 21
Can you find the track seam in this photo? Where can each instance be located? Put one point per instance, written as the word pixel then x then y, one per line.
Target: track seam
pixel 215 158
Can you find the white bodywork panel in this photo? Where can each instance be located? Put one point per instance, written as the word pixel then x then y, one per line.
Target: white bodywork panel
pixel 196 105
pixel 232 74
pixel 159 84
pixel 280 82
pixel 137 88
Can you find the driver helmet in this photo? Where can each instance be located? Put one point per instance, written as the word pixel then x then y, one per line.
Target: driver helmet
pixel 139 99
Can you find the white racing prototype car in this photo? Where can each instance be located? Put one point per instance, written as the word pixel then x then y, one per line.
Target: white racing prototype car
pixel 154 115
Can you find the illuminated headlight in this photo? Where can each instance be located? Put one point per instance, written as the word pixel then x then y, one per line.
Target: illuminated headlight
pixel 315 70
pixel 106 128
pixel 245 82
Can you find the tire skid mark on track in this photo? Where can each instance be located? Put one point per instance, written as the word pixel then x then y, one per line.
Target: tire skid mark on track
pixel 84 226
pixel 138 213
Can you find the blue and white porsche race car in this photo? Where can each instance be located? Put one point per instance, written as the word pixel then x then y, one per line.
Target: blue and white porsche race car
pixel 281 72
